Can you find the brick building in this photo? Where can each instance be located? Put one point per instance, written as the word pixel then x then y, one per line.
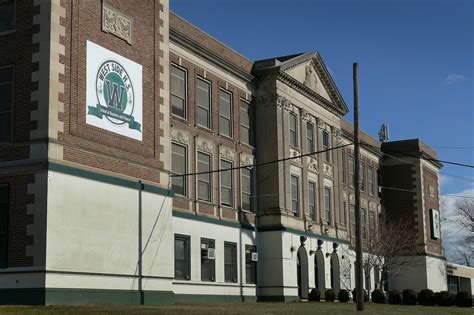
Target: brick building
pixel 103 103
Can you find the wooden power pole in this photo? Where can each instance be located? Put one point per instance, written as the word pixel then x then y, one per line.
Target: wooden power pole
pixel 358 232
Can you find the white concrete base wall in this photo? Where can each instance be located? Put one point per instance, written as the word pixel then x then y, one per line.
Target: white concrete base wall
pixel 196 230
pixel 436 274
pixel 92 235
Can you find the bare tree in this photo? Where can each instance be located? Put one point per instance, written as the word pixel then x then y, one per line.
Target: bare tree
pixel 462 251
pixel 392 247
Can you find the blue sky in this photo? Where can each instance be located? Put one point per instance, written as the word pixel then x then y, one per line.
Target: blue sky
pixel 415 60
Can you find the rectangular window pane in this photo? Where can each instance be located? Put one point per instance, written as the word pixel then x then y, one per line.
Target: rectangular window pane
pixel 246 189
pixel 295 202
pixel 7 15
pixel 309 137
pixel 343 166
pixel 230 262
pixel 4 206
pixel 327 154
pixel 362 176
pixel 293 131
pixel 372 224
pixel 327 204
pixel 363 213
pixel 245 122
pixel 182 257
pixel 312 200
pixel 6 103
pixel 178 92
pixel 204 180
pixel 203 102
pixel 5 127
pixel 208 263
pixel 250 265
pixel 351 170
pixel 225 113
pixel 353 220
pixel 227 187
pixel 344 213
pixel 370 179
pixel 178 166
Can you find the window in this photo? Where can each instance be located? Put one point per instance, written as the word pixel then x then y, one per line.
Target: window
pixel 208 263
pixel 245 131
pixel 293 130
pixel 344 213
pixel 453 284
pixel 178 166
pixel 227 187
pixel 7 15
pixel 182 257
pixel 6 101
pixel 327 205
pixel 363 213
pixel 295 195
pixel 230 262
pixel 310 137
pixel 353 220
pixel 343 166
pixel 250 265
pixel 246 189
pixel 4 199
pixel 362 176
pixel 372 224
pixel 327 154
pixel 351 170
pixel 203 103
pixel 204 180
pixel 370 179
pixel 225 113
pixel 178 92
pixel 312 199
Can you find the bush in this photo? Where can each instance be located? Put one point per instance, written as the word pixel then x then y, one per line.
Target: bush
pixel 409 297
pixel 426 297
pixel 378 296
pixel 354 295
pixel 445 299
pixel 314 295
pixel 329 295
pixel 394 297
pixel 463 299
pixel 343 296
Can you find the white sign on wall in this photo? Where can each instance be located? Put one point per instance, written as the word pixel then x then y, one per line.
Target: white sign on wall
pixel 113 92
pixel 435 224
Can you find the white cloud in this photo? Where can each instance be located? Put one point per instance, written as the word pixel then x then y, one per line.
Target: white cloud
pixel 453 236
pixel 443 179
pixel 453 78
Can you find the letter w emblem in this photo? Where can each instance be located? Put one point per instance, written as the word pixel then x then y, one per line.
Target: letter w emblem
pixel 115 97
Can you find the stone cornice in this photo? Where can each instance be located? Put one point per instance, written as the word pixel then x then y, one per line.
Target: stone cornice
pixel 312 95
pixel 208 55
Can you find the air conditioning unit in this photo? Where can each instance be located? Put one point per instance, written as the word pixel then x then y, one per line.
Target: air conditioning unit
pixel 211 253
pixel 254 257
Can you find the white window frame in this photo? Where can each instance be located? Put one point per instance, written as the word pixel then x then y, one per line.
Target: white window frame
pixel 221 187
pixel 326 154
pixel 210 177
pixel 185 180
pixel 173 65
pixel 247 191
pixel 244 126
pixel 298 203
pixel 231 118
pixel 328 207
pixel 308 139
pixel 314 211
pixel 209 110
pixel 295 131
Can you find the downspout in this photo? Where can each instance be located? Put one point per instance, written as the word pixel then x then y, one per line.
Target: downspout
pixel 140 245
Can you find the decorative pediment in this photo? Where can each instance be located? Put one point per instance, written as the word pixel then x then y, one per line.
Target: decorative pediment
pixel 227 153
pixel 327 170
pixel 307 74
pixel 204 145
pixel 294 153
pixel 312 164
pixel 179 136
pixel 246 160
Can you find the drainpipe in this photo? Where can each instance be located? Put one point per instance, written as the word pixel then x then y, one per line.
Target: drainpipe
pixel 140 245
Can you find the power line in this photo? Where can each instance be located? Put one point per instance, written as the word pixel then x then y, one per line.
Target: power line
pixel 260 164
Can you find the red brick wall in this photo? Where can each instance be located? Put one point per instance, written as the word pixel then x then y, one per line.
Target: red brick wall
pixel 96 147
pixel 16 50
pixel 430 179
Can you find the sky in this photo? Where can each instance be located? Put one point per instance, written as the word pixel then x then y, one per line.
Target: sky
pixel 415 61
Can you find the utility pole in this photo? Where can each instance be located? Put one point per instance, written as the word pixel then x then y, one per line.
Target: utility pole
pixel 358 232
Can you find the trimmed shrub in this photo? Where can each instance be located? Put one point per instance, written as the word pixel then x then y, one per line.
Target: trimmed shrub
pixel 409 297
pixel 446 298
pixel 343 296
pixel 426 297
pixel 314 295
pixel 437 298
pixel 394 297
pixel 463 299
pixel 378 296
pixel 354 295
pixel 329 295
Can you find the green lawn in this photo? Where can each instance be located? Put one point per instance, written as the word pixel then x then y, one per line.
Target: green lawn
pixel 238 308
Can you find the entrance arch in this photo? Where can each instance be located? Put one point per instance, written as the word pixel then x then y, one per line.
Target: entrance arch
pixel 335 273
pixel 302 273
pixel 319 271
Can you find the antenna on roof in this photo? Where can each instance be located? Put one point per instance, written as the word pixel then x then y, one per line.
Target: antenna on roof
pixel 383 133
